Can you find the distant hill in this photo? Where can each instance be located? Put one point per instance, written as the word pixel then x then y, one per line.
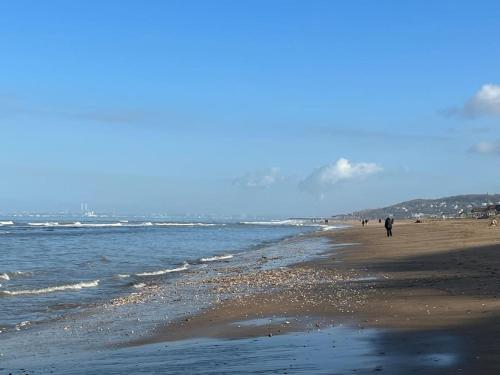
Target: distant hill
pixel 449 206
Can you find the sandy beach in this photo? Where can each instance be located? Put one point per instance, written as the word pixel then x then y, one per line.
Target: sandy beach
pixel 432 286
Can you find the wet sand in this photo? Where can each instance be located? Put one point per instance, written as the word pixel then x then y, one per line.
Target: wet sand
pixel 432 288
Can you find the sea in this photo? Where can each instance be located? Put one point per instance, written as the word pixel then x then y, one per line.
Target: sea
pixel 54 266
pixel 74 289
pixel 60 277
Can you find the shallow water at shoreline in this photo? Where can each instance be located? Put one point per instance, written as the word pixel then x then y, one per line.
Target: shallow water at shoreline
pixel 50 268
pixel 88 337
pixel 156 301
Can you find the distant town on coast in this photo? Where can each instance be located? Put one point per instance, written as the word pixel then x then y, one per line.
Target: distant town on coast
pixel 458 206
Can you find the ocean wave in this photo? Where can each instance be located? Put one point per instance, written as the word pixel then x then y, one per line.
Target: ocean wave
pixel 8 222
pixel 325 228
pixel 22 325
pixel 292 222
pixel 60 288
pixel 93 225
pixel 277 222
pixel 216 258
pixel 162 272
pixel 12 275
pixel 46 224
pixel 78 224
pixel 187 224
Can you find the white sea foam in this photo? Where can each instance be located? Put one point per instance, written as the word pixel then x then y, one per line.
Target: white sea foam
pixel 145 224
pixel 92 225
pixel 79 224
pixel 46 224
pixel 122 276
pixel 22 325
pixel 11 275
pixel 121 223
pixel 60 288
pixel 277 222
pixel 139 285
pixel 162 272
pixel 216 258
pixel 325 228
pixel 292 222
pixel 9 222
pixel 187 224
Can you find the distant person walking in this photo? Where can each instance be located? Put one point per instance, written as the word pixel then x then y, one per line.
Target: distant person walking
pixel 388 226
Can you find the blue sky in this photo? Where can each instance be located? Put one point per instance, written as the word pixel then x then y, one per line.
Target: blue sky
pixel 284 108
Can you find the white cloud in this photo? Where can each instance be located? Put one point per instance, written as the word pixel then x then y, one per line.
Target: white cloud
pixel 487 147
pixel 486 102
pixel 260 179
pixel 324 178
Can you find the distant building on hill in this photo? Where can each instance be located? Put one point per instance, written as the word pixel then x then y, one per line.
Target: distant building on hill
pixel 458 206
pixel 485 211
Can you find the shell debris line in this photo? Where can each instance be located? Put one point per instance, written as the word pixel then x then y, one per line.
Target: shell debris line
pixel 300 285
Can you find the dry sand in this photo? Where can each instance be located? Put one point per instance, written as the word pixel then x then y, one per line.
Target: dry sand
pixel 430 280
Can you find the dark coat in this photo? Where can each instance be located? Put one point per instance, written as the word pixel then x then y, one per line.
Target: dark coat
pixel 388 223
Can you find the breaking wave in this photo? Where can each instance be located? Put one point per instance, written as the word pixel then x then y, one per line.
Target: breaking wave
pixel 292 222
pixel 9 222
pixel 22 325
pixel 162 272
pixel 46 224
pixel 216 258
pixel 187 224
pixel 60 288
pixel 123 223
pixel 277 222
pixel 325 228
pixel 78 224
pixel 12 275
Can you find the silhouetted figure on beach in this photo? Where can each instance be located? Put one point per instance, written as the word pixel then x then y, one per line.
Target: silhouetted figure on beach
pixel 363 223
pixel 379 221
pixel 388 226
